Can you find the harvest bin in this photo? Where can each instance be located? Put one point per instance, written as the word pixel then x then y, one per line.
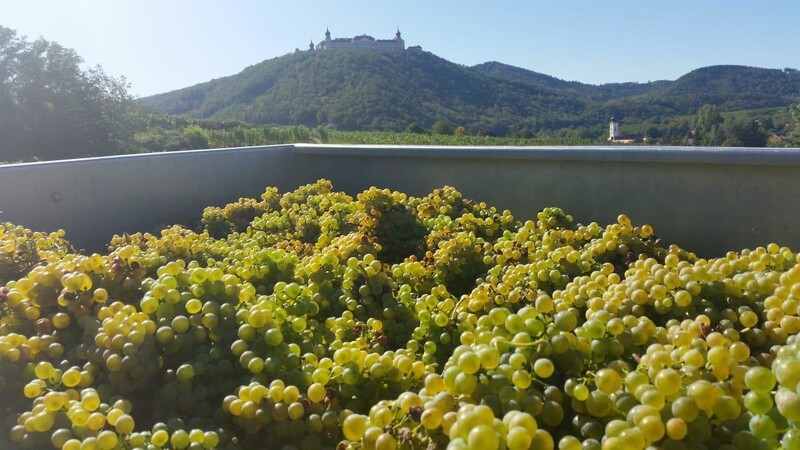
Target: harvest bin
pixel 707 200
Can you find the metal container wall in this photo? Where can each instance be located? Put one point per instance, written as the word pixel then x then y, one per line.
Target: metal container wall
pixel 708 200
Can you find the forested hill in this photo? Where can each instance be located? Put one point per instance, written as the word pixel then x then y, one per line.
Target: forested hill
pixel 735 87
pixel 358 90
pixel 588 91
pixel 729 87
pixel 362 90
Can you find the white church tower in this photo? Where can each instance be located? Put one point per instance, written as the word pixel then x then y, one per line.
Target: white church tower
pixel 613 130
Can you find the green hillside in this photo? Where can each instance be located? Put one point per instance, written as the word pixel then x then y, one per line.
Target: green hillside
pixel 358 90
pixel 588 91
pixel 731 88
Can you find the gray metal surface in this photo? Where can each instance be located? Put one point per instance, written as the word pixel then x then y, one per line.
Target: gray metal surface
pixel 707 200
pixel 93 199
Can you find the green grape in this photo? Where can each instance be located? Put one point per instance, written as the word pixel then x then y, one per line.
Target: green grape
pixel 386 442
pixel 483 436
pixel 763 427
pixel 159 438
pixel 654 398
pixel 788 403
pixel 758 402
pixel 581 392
pixel 196 436
pixel 568 443
pixel 90 400
pixel 185 372
pixel 33 389
pixel 521 379
pixel 469 362
pixel 296 411
pixel 521 420
pixel 354 426
pixel 685 408
pixel 791 440
pixel 179 439
pixel 608 380
pixel 291 394
pixel 542 439
pixel 668 382
pixel 565 321
pixel 615 427
pixel 273 337
pixel 193 306
pixel 431 418
pixel 124 424
pixel 210 439
pixel 676 429
pixel 316 392
pixel 703 393
pixel 54 401
pixel 44 370
pixel 543 368
pixel 106 440
pixel 759 379
pixel 72 444
pixel 465 383
pixel 96 421
pixel 726 408
pixel 43 421
pixel 652 428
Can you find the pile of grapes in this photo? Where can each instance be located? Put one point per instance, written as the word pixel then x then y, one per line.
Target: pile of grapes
pixel 313 320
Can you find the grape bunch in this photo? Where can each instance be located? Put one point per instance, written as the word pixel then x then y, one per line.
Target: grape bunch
pixel 315 319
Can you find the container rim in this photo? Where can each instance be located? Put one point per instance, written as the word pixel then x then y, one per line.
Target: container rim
pixel 768 156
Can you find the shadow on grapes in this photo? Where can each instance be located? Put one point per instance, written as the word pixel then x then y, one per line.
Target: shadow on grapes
pixel 385 217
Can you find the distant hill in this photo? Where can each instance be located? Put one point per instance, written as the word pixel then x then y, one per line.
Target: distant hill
pixel 363 90
pixel 729 87
pixel 594 92
pixel 734 87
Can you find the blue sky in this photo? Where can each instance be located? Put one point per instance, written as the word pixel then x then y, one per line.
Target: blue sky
pixel 161 45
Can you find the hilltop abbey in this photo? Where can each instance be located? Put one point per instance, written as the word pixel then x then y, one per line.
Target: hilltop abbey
pixel 361 42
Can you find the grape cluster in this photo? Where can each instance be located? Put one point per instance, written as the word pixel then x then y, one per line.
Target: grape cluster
pixel 314 319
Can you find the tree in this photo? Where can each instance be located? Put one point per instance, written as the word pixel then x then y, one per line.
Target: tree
pixel 653 132
pixel 196 137
pixel 676 133
pixel 442 127
pixel 707 125
pixel 10 126
pixel 793 139
pixel 415 128
pixel 52 108
pixel 521 132
pixel 744 133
